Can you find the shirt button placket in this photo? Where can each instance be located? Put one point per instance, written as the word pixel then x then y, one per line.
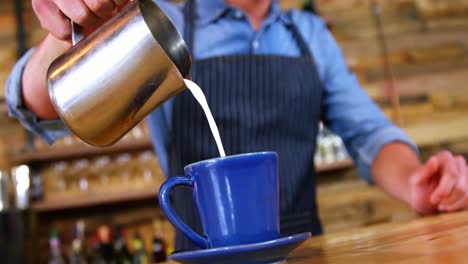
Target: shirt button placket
pixel 255 44
pixel 238 14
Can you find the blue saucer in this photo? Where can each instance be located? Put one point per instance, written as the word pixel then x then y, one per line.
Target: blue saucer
pixel 268 252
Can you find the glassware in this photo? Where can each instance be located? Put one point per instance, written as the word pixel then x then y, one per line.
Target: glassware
pixel 21 182
pixel 122 167
pixel 100 170
pixel 59 169
pixel 146 161
pixel 78 176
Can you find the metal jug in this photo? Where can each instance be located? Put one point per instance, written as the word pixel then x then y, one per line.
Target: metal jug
pixel 109 81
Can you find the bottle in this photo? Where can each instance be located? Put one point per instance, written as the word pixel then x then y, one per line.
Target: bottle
pixel 339 149
pixel 37 191
pixel 97 255
pixel 140 255
pixel 77 252
pixel 55 250
pixel 105 247
pixel 319 150
pixel 159 246
pixel 121 253
pixel 77 256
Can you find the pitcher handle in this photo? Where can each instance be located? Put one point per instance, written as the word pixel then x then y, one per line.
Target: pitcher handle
pixel 165 204
pixel 76 32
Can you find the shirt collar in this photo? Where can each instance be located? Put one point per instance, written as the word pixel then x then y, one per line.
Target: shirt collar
pixel 210 10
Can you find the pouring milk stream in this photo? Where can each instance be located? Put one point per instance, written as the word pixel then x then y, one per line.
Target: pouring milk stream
pixel 200 96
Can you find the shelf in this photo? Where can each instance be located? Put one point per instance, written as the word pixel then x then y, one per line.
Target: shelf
pixel 80 151
pixel 95 200
pixel 340 165
pixel 439 128
pixel 143 144
pixel 135 195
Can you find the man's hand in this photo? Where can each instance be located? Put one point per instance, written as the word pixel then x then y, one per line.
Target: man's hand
pixel 54 15
pixel 440 185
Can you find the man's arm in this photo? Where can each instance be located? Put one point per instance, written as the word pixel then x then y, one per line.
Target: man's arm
pixel 392 170
pixel 54 17
pixel 438 185
pixel 347 109
pixel 34 84
pixel 382 151
pixel 26 89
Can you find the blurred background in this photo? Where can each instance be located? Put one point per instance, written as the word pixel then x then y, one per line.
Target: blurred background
pixel 69 201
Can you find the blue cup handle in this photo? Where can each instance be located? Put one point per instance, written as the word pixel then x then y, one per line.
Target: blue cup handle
pixel 165 204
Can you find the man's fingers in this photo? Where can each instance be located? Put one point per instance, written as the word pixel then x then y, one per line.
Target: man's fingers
pixel 449 178
pixel 52 19
pixel 457 206
pixel 458 200
pixel 446 185
pixel 455 196
pixel 463 170
pixel 101 8
pixel 425 173
pixel 78 12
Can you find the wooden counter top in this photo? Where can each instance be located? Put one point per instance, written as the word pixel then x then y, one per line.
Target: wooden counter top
pixel 435 239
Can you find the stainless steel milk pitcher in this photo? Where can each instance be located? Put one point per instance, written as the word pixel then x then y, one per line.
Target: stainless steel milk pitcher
pixel 109 81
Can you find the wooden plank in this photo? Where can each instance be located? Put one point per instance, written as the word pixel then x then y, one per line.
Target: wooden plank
pixel 438 8
pixel 352 203
pixel 348 31
pixel 97 199
pixel 403 71
pixel 449 52
pixel 353 49
pixel 411 112
pixel 452 51
pixel 340 165
pixel 447 23
pixel 424 84
pixel 437 129
pixel 330 6
pixel 80 151
pixel 444 100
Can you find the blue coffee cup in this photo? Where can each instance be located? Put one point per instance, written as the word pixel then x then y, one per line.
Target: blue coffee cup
pixel 236 197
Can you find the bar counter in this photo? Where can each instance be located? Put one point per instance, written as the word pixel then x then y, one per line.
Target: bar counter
pixel 431 239
pixel 434 239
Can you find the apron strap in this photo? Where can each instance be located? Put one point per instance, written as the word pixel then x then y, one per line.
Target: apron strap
pixel 303 46
pixel 190 13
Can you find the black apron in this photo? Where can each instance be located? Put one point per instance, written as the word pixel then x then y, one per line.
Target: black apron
pixel 260 103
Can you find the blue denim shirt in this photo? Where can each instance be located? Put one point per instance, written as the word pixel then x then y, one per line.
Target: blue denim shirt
pixel 224 30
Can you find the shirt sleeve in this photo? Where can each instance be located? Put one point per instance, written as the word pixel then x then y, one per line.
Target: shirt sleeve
pixel 49 130
pixel 350 112
pixel 159 123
